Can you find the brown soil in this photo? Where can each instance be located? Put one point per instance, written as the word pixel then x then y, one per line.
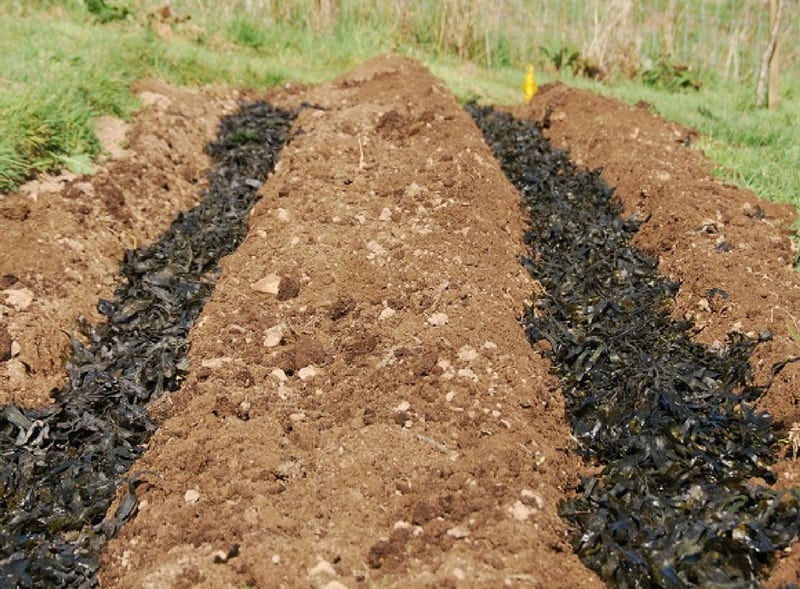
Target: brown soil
pixel 381 421
pixel 62 238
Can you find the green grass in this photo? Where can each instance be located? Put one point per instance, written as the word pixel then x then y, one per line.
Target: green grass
pixel 61 67
pixel 50 100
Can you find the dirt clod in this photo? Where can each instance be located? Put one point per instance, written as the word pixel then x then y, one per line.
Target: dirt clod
pixel 5 344
pixel 288 288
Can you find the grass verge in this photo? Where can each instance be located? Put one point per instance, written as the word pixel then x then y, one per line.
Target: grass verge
pixel 61 67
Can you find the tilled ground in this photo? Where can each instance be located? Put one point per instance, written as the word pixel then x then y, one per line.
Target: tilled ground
pixel 381 420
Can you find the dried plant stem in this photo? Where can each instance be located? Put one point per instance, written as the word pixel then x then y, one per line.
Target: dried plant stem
pixel 614 47
pixel 770 55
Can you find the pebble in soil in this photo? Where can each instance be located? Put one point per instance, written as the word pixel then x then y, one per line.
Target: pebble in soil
pixel 673 422
pixel 60 466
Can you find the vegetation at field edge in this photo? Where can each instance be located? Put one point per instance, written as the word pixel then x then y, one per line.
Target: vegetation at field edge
pixel 65 62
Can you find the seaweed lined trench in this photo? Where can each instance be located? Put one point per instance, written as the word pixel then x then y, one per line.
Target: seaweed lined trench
pixel 671 420
pixel 60 466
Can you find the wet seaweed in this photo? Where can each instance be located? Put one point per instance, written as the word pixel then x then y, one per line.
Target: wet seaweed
pixel 60 466
pixel 677 503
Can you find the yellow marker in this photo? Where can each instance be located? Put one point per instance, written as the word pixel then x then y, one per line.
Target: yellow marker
pixel 529 87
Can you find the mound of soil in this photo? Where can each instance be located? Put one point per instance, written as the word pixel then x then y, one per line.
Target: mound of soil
pixel 363 407
pixel 63 238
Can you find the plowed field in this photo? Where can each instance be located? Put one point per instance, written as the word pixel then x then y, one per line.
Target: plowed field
pixel 386 423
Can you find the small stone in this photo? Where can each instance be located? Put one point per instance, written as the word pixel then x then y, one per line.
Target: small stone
pixel 191 496
pixel 214 363
pixel 413 190
pixel 521 512
pixel 458 532
pixel 267 285
pixel 73 275
pixel 279 374
pixel 376 249
pixel 307 372
pixel 401 525
pixel 297 417
pixel 243 411
pixel 387 313
pixel 467 373
pixel 386 214
pixel 283 215
pixel 704 305
pixel 459 574
pixel 450 396
pixel 402 407
pixel 276 559
pixel 438 319
pixel 323 567
pixel 446 368
pixel 219 556
pixel 274 335
pixel 20 298
pixel 467 354
pixel 284 392
pixel 334 585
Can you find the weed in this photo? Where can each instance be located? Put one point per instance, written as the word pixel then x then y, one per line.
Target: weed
pixel 105 12
pixel 562 58
pixel 245 32
pixel 670 76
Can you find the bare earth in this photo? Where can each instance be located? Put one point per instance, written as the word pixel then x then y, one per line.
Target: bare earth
pixel 390 425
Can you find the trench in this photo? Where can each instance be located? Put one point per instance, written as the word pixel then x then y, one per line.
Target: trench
pixel 672 423
pixel 61 466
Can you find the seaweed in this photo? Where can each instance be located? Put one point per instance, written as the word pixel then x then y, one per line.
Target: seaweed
pixel 60 466
pixel 672 422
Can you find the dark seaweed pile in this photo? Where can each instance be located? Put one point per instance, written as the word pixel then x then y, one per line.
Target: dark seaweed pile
pixel 60 466
pixel 671 420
